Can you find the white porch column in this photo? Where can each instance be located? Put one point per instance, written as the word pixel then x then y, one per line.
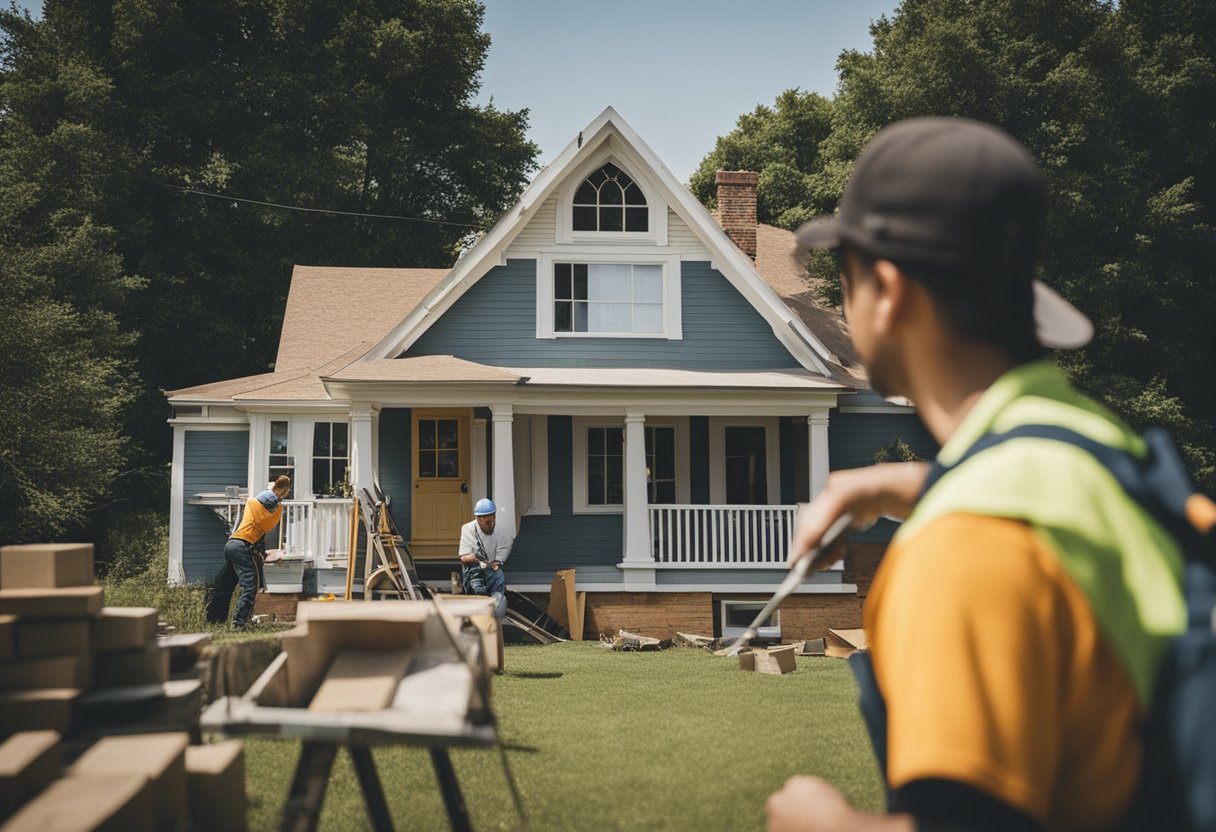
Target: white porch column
pixel 361 472
pixel 504 465
pixel 637 522
pixel 817 425
pixel 478 460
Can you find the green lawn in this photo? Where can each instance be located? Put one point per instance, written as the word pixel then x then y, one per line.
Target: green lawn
pixel 598 740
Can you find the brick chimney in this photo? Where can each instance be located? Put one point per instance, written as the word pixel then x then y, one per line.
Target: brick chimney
pixel 737 207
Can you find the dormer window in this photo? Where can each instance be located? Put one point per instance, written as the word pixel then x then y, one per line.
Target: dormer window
pixel 609 200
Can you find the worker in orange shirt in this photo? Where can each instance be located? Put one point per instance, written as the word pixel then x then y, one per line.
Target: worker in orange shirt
pixel 241 554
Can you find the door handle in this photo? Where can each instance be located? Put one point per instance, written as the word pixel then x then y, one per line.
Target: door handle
pixel 464 487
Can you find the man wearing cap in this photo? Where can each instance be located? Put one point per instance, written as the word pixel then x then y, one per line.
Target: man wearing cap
pixel 484 549
pixel 1018 618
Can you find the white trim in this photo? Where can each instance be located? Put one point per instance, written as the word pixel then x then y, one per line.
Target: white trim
pixel 521 452
pixel 717 454
pixel 578 470
pixel 672 291
pixel 177 507
pixel 477 461
pixel 773 631
pixel 540 465
pixel 608 127
pixel 656 206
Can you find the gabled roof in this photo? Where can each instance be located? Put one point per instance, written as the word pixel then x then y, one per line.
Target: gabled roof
pixel 609 128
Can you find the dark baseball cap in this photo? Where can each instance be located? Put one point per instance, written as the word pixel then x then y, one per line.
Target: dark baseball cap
pixel 957 197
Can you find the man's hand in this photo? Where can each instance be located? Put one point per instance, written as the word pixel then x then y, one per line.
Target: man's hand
pixel 495 565
pixel 890 489
pixel 810 804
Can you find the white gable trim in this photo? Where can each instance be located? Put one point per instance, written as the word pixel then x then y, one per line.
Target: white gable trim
pixel 608 128
pixel 636 169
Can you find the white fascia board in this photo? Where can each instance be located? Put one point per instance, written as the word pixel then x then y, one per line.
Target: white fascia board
pixel 487 251
pixel 293 405
pixel 740 271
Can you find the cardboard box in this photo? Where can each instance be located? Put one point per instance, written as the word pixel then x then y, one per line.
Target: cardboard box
pixel 8 638
pixel 123 668
pixel 215 779
pixel 46 565
pixel 773 660
pixel 159 757
pixel 124 628
pixel 57 672
pixel 29 761
pixel 47 709
pixel 42 638
pixel 361 680
pixel 110 803
pixel 841 644
pixel 69 602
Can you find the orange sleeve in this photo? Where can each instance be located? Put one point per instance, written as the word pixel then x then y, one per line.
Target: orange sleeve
pixel 963 627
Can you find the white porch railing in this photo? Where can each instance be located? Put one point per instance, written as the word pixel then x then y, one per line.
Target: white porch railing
pixel 315 529
pixel 739 535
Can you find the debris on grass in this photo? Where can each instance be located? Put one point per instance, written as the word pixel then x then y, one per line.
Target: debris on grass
pixel 625 642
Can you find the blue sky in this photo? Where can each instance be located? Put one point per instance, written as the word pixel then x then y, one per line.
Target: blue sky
pixel 680 71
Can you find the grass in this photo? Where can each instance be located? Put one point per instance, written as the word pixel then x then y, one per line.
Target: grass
pixel 673 740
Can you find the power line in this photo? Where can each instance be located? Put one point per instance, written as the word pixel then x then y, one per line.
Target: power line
pixel 317 210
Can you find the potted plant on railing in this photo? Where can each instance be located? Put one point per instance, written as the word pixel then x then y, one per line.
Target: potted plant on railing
pixel 339 489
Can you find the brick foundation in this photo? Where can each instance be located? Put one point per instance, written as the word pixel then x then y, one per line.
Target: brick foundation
pixel 662 614
pixel 282 605
pixel 860 563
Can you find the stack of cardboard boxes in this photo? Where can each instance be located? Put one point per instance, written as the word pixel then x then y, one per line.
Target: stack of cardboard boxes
pixel 76 677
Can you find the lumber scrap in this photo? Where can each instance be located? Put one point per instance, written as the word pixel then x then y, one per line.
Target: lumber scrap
pixel 532 620
pixel 625 641
pixel 566 606
pixel 693 640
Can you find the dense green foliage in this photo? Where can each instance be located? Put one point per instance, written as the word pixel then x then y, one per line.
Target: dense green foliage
pixel 117 283
pixel 1116 103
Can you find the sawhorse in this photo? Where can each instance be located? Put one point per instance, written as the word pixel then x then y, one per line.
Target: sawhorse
pixel 303 807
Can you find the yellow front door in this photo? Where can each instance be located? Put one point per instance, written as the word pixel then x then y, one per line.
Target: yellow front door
pixel 441 481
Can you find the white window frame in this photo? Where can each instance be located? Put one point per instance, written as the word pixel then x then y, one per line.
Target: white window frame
pixel 656 224
pixel 578 468
pixel 672 302
pixel 772 631
pixel 299 435
pixel 717 455
pixel 312 458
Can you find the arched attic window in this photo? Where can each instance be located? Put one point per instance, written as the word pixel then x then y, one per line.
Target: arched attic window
pixel 608 200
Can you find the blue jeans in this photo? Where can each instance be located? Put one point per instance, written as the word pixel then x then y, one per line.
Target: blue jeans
pixel 239 569
pixel 478 581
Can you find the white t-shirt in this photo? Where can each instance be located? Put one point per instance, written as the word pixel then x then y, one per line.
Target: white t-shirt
pixel 497 544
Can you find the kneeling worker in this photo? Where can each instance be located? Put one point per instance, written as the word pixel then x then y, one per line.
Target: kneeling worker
pixel 483 551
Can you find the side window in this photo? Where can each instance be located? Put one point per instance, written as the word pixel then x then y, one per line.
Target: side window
pixel 281 461
pixel 330 456
pixel 609 200
pixel 661 464
pixel 605 466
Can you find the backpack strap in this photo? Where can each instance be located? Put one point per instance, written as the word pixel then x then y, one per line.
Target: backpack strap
pixel 1159 482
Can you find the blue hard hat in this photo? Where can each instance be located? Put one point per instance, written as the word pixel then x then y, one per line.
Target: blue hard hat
pixel 484 506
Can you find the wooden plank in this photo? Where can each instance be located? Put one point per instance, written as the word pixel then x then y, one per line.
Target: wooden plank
pixel 361 680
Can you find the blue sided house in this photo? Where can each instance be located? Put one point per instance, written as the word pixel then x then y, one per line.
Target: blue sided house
pixel 645 389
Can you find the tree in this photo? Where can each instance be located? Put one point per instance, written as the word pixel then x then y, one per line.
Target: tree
pixel 1115 103
pixel 363 108
pixel 64 380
